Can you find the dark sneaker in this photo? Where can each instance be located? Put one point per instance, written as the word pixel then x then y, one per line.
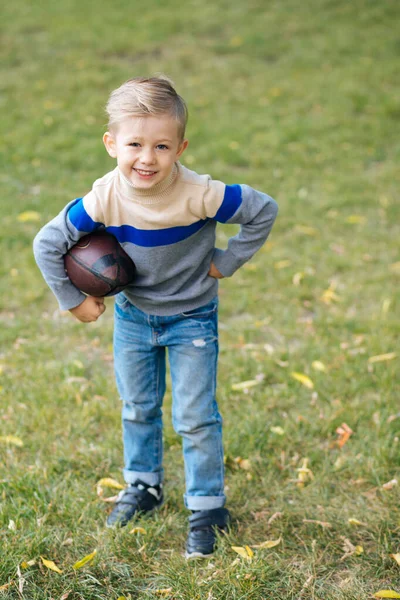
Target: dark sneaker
pixel 203 528
pixel 137 497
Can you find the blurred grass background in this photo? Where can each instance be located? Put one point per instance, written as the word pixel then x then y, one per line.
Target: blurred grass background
pixel 301 101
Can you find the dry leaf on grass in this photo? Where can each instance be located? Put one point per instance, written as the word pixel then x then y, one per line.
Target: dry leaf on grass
pixel 138 530
pixel 329 294
pixel 304 474
pixel 387 594
pixel 29 216
pixel 245 552
pixel 11 439
pixel 355 522
pixel 111 483
pixel 278 430
pixel 382 357
pixel 28 563
pixel 323 524
pixel 390 484
pixel 50 565
pixel 80 563
pixel 245 385
pixel 6 586
pixel 344 432
pixel 303 379
pixel 268 544
pixel 318 366
pixel 350 549
pixel 276 515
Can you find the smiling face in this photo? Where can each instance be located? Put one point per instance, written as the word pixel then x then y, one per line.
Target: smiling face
pixel 146 148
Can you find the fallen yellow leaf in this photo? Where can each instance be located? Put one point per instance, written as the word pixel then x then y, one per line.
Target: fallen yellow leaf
pixel 386 594
pixel 318 365
pixel 306 230
pixel 304 474
pixel 29 216
pixel 268 543
pixel 298 278
pixel 245 385
pixel 330 295
pixel 277 429
pixel 50 565
pixel 359 550
pixel 108 482
pixel 395 557
pixel 11 439
pixel 306 381
pixel 355 522
pixel 28 563
pixel 243 552
pixel 282 264
pixel 138 530
pixel 80 563
pixel 382 357
pixel 355 219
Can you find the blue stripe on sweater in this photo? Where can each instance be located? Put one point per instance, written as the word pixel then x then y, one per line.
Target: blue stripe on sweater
pixel 231 202
pixel 80 219
pixel 159 237
pixel 126 233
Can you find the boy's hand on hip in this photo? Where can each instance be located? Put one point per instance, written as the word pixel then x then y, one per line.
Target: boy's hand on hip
pixel 213 272
pixel 90 309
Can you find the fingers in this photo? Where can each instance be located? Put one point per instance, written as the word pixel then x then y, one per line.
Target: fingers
pixel 102 307
pixel 90 310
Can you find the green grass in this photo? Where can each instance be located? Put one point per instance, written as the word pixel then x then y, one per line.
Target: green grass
pixel 302 101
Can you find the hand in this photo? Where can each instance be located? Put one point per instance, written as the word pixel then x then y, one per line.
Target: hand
pixel 90 309
pixel 213 272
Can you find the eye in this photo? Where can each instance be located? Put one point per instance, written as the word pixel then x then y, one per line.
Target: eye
pixel 134 144
pixel 162 147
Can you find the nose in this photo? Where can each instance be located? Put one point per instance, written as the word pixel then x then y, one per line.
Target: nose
pixel 147 156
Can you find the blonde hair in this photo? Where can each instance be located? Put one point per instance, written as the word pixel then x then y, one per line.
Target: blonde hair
pixel 142 96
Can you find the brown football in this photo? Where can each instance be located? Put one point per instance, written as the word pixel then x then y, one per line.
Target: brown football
pixel 98 266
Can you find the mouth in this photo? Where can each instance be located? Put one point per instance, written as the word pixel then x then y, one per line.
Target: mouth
pixel 145 174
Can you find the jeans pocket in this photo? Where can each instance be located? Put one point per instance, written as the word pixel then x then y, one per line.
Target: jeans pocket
pixel 122 301
pixel 202 312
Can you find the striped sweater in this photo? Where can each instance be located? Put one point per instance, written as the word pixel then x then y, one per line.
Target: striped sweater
pixel 168 231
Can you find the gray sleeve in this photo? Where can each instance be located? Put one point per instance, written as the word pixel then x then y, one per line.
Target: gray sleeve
pixel 256 215
pixel 49 247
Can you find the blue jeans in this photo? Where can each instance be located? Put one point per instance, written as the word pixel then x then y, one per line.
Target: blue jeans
pixel 140 342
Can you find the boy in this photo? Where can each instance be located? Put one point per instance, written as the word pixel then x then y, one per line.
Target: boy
pixel 164 216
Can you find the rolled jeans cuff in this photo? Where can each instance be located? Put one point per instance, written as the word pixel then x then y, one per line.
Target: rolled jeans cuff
pixel 148 478
pixel 204 502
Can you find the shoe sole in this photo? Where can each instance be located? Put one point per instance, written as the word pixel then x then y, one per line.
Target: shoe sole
pixel 197 555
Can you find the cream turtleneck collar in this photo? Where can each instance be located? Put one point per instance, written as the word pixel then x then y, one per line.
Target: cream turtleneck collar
pixel 153 195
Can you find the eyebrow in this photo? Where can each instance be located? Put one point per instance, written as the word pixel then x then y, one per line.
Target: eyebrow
pixel 138 138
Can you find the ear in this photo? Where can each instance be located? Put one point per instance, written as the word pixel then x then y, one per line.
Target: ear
pixel 182 148
pixel 109 142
